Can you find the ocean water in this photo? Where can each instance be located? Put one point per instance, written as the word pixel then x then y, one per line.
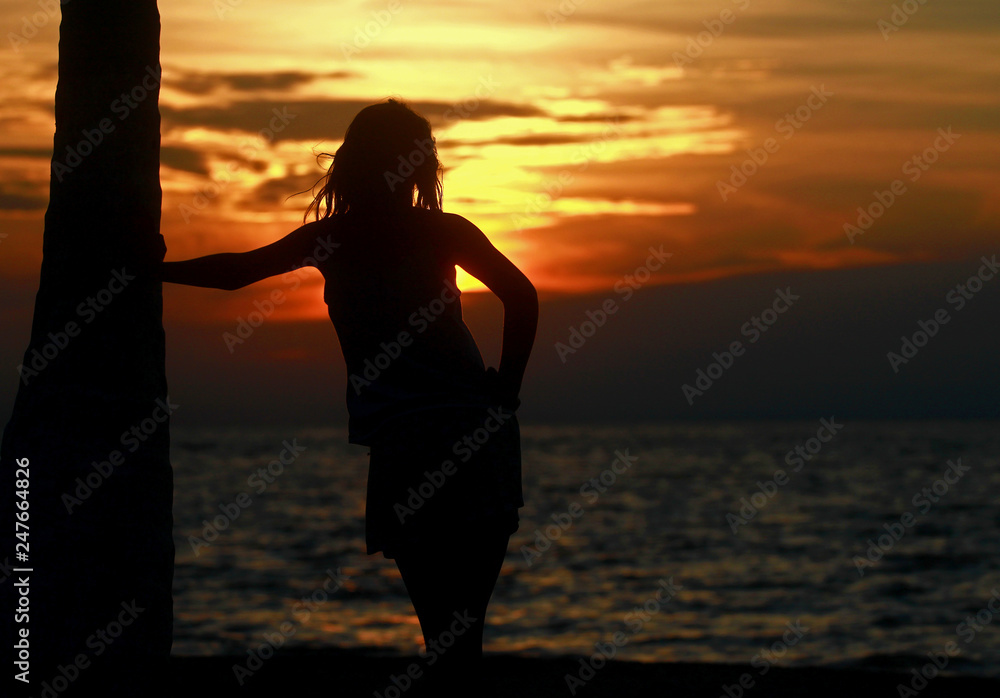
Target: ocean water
pixel 882 546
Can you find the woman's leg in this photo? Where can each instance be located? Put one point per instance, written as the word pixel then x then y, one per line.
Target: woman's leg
pixel 450 582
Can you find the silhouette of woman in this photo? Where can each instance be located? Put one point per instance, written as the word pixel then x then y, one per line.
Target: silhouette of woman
pixel 444 481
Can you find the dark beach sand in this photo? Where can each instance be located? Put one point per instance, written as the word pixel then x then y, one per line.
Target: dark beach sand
pixel 356 673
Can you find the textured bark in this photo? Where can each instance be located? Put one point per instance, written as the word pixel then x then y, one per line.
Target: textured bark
pixel 93 552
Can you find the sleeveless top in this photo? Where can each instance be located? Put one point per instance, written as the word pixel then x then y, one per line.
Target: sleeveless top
pixel 392 297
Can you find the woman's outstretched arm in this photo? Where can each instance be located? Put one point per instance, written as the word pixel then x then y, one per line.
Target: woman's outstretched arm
pixel 477 255
pixel 232 270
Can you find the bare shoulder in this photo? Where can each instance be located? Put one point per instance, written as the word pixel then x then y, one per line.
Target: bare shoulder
pixel 458 230
pixel 456 222
pixel 472 250
pixel 317 240
pixel 451 233
pixel 441 219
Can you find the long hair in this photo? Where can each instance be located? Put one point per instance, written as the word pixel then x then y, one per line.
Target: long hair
pixel 388 159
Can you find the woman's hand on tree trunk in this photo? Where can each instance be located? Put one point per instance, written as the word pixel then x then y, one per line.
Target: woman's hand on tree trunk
pixel 145 258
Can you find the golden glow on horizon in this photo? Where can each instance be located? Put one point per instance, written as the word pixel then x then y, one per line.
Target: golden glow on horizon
pixel 575 140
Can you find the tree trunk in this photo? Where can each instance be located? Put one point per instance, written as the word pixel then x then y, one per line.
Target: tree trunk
pixel 90 418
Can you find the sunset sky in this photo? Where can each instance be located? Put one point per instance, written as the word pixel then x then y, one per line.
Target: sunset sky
pixel 576 135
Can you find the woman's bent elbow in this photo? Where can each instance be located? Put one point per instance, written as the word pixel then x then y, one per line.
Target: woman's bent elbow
pixel 522 300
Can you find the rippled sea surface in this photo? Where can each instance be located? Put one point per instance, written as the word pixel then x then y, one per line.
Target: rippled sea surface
pixel 625 536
